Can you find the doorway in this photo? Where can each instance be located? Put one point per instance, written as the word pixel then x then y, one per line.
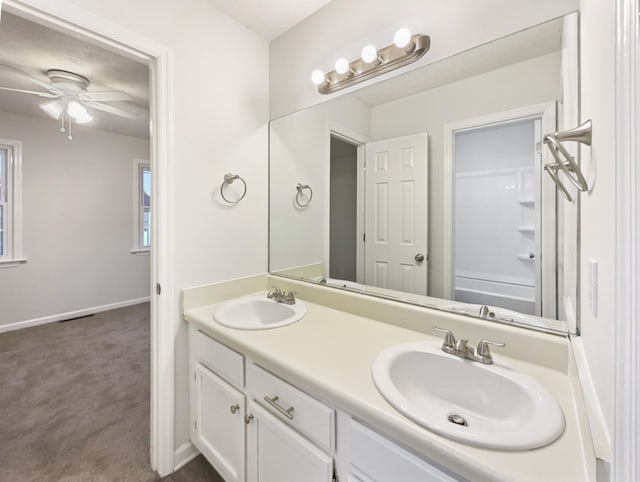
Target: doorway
pixel 80 23
pixel 343 200
pixel 497 204
pixel 496 197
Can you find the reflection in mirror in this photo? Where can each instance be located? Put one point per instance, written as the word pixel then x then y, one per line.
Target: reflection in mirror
pixel 429 187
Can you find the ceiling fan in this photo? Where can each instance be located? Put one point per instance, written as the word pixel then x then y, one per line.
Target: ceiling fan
pixel 70 97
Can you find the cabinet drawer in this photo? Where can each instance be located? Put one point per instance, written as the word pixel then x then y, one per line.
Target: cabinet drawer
pixel 378 459
pixel 306 414
pixel 217 357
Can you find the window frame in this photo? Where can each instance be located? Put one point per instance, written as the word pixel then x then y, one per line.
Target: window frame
pixel 140 165
pixel 12 213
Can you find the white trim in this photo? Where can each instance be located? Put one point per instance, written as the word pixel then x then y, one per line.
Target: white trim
pixel 360 207
pixel 184 454
pixel 12 263
pixel 626 419
pixel 138 165
pixel 546 111
pixel 597 424
pixel 18 325
pixel 14 215
pixel 165 311
pixel 70 17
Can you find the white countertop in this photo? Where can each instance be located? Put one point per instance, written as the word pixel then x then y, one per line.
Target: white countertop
pixel 329 354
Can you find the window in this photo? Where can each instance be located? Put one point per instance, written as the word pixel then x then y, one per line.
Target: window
pixel 142 206
pixel 10 202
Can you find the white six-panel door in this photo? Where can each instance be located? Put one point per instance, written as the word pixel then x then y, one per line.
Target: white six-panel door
pixel 396 190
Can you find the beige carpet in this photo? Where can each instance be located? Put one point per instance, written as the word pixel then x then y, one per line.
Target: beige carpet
pixel 74 402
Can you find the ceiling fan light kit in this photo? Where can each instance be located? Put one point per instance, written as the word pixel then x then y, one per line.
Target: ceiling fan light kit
pixel 71 97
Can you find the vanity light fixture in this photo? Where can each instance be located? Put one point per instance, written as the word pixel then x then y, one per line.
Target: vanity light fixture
pixel 405 49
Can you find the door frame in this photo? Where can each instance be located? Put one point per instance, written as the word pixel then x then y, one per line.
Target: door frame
pixel 546 111
pixel 626 417
pixel 71 18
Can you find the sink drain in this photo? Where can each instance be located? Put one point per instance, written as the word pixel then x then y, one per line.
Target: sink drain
pixel 458 420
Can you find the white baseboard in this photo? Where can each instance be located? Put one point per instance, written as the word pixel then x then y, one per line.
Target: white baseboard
pixel 71 314
pixel 185 454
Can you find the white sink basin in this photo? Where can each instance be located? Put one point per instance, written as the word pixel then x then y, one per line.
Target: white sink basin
pixel 494 405
pixel 257 312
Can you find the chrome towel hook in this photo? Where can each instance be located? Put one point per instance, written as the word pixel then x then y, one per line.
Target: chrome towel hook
pixel 568 165
pixel 301 187
pixel 228 179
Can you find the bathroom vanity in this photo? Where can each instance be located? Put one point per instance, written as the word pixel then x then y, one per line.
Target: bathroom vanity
pixel 298 402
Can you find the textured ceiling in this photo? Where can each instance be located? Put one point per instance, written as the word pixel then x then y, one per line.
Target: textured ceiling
pixel 269 18
pixel 36 49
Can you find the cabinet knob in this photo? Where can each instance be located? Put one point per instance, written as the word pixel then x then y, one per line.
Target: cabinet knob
pixel 248 418
pixel 235 408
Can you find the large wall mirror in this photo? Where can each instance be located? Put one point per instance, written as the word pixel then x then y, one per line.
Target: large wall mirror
pixel 429 187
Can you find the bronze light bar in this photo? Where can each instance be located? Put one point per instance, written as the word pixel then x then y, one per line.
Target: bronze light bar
pixel 389 58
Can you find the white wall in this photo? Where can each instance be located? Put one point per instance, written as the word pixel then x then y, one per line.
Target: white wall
pixel 526 83
pixel 597 22
pixel 220 96
pixel 454 26
pixel 78 221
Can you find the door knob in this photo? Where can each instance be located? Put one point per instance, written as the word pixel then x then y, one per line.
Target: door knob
pixel 419 257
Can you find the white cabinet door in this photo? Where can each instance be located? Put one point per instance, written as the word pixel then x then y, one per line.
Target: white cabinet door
pixel 218 428
pixel 276 453
pixel 375 458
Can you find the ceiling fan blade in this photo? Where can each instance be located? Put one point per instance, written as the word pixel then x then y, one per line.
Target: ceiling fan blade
pixel 106 96
pixel 32 78
pixel 33 92
pixel 128 113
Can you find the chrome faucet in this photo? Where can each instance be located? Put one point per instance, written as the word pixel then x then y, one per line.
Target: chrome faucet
pixel 485 312
pixel 460 348
pixel 276 294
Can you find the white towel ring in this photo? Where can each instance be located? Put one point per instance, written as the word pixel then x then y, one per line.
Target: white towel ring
pixel 301 187
pixel 228 179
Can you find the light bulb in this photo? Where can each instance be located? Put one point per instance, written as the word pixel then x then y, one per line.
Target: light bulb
pixel 342 65
pixel 369 54
pixel 402 37
pixel 317 77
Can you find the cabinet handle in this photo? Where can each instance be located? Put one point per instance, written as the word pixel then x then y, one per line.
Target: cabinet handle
pixel 235 408
pixel 287 412
pixel 248 418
